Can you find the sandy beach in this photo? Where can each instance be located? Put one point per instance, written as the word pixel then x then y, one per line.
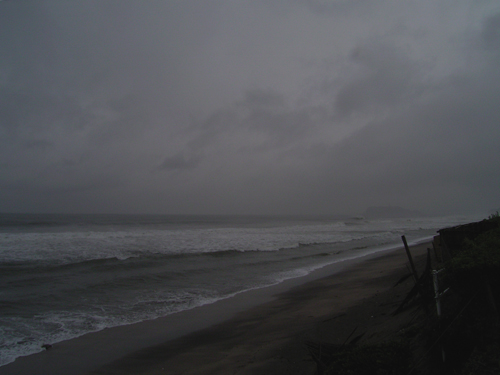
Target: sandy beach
pixel 257 332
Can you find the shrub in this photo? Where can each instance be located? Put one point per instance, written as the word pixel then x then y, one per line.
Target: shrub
pixel 481 254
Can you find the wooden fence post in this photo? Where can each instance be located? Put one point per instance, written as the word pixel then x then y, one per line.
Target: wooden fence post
pixel 413 269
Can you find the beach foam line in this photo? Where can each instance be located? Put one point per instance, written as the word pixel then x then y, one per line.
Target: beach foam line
pixel 93 350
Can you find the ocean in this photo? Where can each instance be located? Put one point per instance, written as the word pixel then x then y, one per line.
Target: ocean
pixel 62 276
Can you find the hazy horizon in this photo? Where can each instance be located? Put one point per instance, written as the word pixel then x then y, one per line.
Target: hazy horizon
pixel 340 216
pixel 249 107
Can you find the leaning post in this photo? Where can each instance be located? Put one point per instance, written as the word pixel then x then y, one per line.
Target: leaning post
pixel 413 269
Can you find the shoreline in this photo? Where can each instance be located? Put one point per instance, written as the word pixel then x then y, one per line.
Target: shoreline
pixel 106 351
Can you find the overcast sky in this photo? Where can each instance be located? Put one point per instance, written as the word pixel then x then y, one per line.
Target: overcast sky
pixel 249 107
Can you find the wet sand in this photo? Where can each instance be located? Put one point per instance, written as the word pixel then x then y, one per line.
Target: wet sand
pixel 261 331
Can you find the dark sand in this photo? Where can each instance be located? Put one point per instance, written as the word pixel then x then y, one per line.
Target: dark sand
pixel 252 333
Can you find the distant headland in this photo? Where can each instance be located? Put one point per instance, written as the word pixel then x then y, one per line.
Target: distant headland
pixel 390 212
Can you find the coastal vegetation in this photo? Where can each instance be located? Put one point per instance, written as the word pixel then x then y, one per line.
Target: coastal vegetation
pixel 461 336
pixel 481 254
pixel 471 330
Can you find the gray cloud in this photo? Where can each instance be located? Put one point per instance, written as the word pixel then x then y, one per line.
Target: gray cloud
pixel 388 79
pixel 180 162
pixel 491 32
pixel 248 107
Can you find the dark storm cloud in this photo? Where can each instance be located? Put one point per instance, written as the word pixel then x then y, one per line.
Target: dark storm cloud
pixel 491 32
pixel 248 107
pixel 263 99
pixel 260 122
pixel 387 79
pixel 180 162
pixel 22 109
pixel 328 7
pixel 442 150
